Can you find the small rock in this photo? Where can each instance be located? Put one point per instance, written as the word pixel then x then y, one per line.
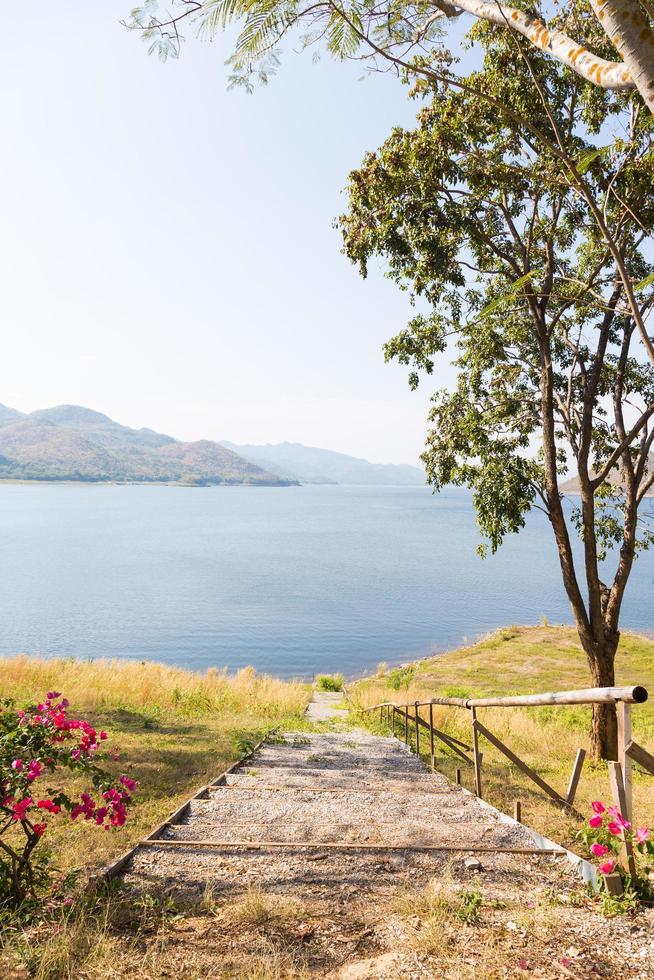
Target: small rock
pixel 472 864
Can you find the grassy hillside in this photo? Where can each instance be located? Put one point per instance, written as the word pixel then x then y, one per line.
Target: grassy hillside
pixel 525 660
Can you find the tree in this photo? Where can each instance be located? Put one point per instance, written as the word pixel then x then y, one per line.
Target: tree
pixel 585 37
pixel 524 241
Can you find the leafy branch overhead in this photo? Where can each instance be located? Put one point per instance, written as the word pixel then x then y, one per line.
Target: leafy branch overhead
pixel 609 43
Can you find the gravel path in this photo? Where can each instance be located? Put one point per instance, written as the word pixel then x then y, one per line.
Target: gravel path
pixel 363 911
pixel 334 788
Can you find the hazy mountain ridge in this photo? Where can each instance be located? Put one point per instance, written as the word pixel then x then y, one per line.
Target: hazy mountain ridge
pixel 69 442
pixel 572 485
pixel 308 464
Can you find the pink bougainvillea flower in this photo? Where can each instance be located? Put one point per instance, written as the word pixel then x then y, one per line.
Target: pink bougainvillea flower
pixel 607 867
pixel 599 850
pixel 40 829
pixel 614 828
pixel 35 769
pixel 642 834
pixel 598 807
pixel 49 806
pixel 17 765
pixel 53 695
pixel 596 821
pixel 128 783
pixel 617 816
pixel 20 809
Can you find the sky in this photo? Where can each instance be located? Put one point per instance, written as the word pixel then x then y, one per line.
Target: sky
pixel 167 254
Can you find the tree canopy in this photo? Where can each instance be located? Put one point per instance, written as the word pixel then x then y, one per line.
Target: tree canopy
pixel 528 240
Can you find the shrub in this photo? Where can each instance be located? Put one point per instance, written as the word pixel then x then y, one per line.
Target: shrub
pixel 400 677
pixel 453 691
pixel 36 744
pixel 330 682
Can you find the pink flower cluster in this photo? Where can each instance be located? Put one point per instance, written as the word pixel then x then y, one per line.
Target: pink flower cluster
pixel 112 814
pixel 615 827
pixel 49 728
pixel 53 716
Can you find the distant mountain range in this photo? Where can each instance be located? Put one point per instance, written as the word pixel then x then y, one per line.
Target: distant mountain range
pixel 311 465
pixel 70 442
pixel 73 443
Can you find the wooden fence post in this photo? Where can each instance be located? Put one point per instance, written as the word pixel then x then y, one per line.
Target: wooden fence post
pixel 624 740
pixel 406 723
pixel 618 794
pixel 431 736
pixel 477 754
pixel 576 775
pixel 417 722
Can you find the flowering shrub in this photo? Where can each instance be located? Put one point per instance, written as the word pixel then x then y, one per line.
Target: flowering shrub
pixel 605 835
pixel 36 745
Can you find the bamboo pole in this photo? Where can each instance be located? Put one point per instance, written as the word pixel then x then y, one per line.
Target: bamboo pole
pixel 592 695
pixel 516 760
pixel 624 740
pixel 352 846
pixel 641 756
pixel 431 737
pixel 477 756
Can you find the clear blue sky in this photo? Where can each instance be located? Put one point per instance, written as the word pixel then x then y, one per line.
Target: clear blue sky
pixel 166 249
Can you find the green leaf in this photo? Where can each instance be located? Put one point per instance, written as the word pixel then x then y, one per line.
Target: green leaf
pixel 586 158
pixel 509 294
pixel 647 281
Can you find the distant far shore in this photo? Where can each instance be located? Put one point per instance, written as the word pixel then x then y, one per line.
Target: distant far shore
pixel 71 482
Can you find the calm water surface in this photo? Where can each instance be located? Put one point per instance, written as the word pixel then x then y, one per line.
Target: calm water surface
pixel 291 580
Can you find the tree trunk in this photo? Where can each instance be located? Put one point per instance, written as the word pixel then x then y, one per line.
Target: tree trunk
pixel 633 38
pixel 604 725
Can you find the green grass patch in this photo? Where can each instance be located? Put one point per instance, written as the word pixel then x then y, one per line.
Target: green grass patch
pixel 330 682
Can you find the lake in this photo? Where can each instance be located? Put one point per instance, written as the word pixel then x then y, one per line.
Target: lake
pixel 291 580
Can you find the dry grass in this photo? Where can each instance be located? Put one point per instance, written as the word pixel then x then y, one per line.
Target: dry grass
pixel 258 908
pixel 154 689
pixel 526 660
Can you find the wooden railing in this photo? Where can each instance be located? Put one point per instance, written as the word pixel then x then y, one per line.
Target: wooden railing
pixel 413 725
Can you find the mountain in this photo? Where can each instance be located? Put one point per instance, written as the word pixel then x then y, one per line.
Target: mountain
pixel 307 464
pixel 572 485
pixel 69 442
